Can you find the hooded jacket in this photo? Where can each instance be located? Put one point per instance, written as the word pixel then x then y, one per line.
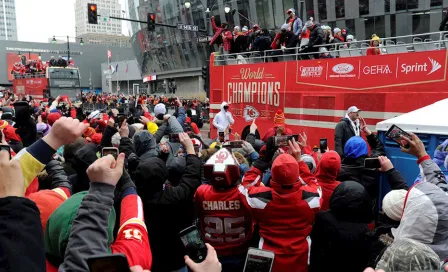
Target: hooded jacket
pixel 427 204
pixel 326 175
pixel 168 210
pixel 341 232
pixel 59 228
pixel 284 212
pixel 223 119
pixel 356 152
pixel 84 157
pixel 145 145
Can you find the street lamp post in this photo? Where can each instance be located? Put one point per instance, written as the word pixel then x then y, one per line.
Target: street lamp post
pixel 81 43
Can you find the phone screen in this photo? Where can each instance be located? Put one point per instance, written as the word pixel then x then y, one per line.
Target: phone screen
pixel 110 263
pixel 284 139
pixel 110 151
pixel 395 133
pixel 221 137
pixel 236 144
pixel 196 148
pixel 323 145
pixel 194 245
pixel 257 263
pixel 372 163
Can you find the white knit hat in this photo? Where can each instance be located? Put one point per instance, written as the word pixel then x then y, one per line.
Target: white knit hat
pixel 393 203
pixel 285 27
pixel 160 109
pixel 336 30
pixel 309 160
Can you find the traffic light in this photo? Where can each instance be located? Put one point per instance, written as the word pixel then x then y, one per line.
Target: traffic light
pixel 204 72
pixel 151 21
pixel 92 14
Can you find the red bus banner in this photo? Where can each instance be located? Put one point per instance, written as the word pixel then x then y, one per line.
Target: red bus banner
pixel 314 94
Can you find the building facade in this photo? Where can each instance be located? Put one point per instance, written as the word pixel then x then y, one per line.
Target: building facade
pixel 171 53
pixel 8 20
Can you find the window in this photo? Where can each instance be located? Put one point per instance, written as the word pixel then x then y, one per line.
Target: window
pixel 400 5
pixel 364 7
pixel 436 3
pixel 322 9
pixel 420 22
pixel 339 9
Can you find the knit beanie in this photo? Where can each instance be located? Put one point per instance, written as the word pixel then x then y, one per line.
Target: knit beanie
pixel 96 138
pixel 53 117
pixel 89 132
pixel 160 109
pixel 279 118
pixel 393 203
pixel 43 128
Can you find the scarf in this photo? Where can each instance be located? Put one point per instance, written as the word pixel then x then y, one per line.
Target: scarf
pixel 355 125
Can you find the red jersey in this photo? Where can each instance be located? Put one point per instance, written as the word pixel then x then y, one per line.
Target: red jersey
pixel 285 217
pixel 132 238
pixel 225 219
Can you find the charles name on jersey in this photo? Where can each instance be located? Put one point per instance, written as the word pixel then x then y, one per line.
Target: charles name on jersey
pixel 221 205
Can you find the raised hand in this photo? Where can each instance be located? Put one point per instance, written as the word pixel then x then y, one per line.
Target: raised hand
pixel 416 146
pixel 106 170
pixel 64 131
pixel 11 179
pixel 124 129
pixel 185 140
pixel 210 264
pixel 294 149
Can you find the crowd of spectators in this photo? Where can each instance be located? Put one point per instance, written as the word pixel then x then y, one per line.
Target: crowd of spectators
pixel 33 67
pixel 63 203
pixel 313 39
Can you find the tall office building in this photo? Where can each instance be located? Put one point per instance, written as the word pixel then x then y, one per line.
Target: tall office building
pixel 109 30
pixel 8 20
pixel 133 14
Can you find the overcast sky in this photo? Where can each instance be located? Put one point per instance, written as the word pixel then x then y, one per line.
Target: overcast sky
pixel 38 20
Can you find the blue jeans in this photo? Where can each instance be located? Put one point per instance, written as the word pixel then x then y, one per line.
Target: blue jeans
pixel 233 263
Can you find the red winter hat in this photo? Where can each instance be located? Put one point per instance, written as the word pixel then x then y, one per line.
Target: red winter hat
pixel 89 132
pixel 96 138
pixel 10 134
pixel 285 171
pixel 52 118
pixel 279 118
pixel 47 201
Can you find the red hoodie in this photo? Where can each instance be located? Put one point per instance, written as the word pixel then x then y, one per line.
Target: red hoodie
pixel 326 173
pixel 285 213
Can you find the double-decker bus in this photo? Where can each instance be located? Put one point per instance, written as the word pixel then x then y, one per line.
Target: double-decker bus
pixel 315 94
pixel 54 82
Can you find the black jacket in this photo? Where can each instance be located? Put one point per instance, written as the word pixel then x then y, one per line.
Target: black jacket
pixel 342 133
pixel 262 43
pixel 106 140
pixel 444 24
pixel 84 157
pixel 340 235
pixel 168 210
pixel 353 168
pixel 21 242
pixel 240 44
pixel 316 36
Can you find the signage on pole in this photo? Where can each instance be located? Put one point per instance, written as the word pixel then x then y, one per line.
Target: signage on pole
pixel 188 27
pixel 204 39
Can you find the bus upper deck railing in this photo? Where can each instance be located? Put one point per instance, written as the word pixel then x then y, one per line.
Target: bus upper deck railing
pixel 392 45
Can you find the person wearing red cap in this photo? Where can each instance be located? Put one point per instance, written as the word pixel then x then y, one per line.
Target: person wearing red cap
pixel 285 211
pixel 220 204
pixel 53 117
pixel 294 22
pixel 279 127
pixel 326 175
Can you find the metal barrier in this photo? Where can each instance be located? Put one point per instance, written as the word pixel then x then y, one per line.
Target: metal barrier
pixel 294 54
pixel 35 75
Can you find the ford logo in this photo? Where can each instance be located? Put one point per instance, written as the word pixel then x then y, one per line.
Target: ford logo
pixel 343 68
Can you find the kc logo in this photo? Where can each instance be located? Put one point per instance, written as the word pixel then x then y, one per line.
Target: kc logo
pixel 221 157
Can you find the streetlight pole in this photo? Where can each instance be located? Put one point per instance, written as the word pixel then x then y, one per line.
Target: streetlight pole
pixel 68 49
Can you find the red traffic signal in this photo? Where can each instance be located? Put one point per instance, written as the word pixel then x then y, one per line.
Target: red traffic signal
pixel 92 14
pixel 151 21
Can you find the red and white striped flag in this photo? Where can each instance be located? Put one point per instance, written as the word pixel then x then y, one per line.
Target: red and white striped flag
pixel 109 54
